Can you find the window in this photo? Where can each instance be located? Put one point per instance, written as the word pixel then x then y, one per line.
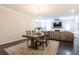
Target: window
pixel 67 27
pixel 44 24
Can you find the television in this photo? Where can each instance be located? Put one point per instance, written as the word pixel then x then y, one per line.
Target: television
pixel 57 24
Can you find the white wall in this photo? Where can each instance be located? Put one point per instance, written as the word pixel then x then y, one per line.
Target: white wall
pixel 69 25
pixel 77 24
pixel 13 25
pixel 73 20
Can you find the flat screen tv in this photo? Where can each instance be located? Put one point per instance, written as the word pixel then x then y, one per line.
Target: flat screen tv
pixel 57 24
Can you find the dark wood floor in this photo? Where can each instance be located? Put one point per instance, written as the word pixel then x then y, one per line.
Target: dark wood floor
pixel 65 48
pixel 69 48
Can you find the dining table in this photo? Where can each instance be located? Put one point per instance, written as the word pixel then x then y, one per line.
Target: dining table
pixel 33 38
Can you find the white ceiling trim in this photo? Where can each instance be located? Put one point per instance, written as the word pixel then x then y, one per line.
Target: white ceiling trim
pixel 14 11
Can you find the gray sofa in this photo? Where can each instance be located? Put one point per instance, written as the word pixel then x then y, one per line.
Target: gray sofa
pixel 64 36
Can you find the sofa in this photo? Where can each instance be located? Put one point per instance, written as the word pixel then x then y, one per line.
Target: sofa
pixel 64 36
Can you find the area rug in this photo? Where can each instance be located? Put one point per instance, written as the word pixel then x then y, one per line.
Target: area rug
pixel 22 49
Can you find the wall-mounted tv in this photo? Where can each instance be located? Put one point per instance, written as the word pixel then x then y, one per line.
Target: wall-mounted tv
pixel 57 24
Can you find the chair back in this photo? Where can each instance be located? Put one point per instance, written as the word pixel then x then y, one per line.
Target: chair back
pixel 28 32
pixel 34 31
pixel 46 34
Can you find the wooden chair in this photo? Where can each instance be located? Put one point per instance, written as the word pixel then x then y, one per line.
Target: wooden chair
pixel 43 41
pixel 34 31
pixel 28 39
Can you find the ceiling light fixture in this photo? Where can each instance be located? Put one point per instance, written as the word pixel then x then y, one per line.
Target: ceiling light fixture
pixel 72 10
pixel 39 12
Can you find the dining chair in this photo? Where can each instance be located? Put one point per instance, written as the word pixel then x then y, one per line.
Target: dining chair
pixel 33 31
pixel 43 41
pixel 28 39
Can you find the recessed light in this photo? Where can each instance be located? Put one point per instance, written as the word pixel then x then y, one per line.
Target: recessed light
pixel 72 10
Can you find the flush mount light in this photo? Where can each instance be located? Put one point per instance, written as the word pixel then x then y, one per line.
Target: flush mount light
pixel 72 10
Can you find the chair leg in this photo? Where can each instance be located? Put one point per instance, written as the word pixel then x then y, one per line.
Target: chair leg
pixel 27 42
pixel 46 44
pixel 42 46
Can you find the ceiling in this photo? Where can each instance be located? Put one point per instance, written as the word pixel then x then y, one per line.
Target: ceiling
pixel 45 9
